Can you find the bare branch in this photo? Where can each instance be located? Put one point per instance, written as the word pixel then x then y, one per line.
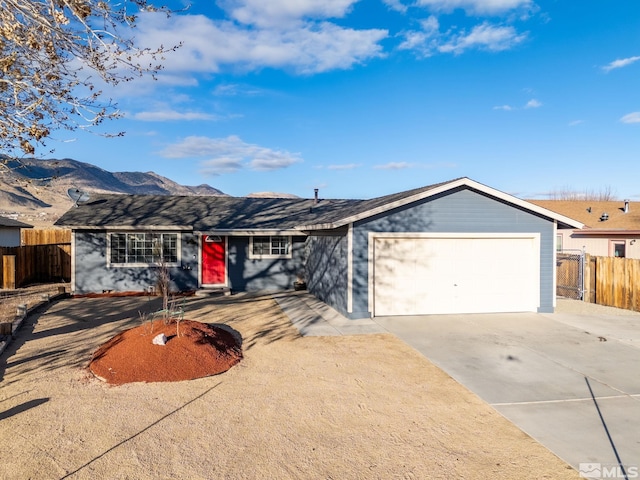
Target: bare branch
pixel 605 194
pixel 53 53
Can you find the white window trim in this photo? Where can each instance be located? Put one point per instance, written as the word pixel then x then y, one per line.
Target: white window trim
pixel 612 247
pixel 254 256
pixel 177 263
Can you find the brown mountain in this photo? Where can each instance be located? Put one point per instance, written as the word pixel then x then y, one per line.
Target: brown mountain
pixel 35 191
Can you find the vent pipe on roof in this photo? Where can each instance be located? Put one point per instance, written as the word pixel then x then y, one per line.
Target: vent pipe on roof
pixel 315 196
pixel 604 217
pixel 626 206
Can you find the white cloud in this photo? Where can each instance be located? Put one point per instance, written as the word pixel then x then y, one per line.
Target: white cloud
pixel 633 117
pixel 225 155
pixel 430 40
pixel 484 37
pixel 394 166
pixel 623 62
pixel 346 166
pixel 208 46
pixel 424 41
pixel 506 108
pixel 280 13
pixel 170 115
pixel 396 5
pixel 236 90
pixel 220 166
pixel 575 123
pixel 418 42
pixel 533 103
pixel 475 7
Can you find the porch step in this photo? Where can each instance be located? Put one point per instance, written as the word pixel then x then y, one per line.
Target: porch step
pixel 210 291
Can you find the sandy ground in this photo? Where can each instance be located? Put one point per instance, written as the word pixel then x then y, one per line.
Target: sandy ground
pixel 566 305
pixel 352 407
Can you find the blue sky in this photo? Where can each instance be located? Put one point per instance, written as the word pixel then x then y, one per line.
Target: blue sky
pixel 371 97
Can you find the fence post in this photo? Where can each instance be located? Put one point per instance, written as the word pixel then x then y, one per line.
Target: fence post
pixel 586 279
pixel 9 271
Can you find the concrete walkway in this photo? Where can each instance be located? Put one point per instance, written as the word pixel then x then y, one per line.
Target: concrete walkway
pixel 315 318
pixel 570 380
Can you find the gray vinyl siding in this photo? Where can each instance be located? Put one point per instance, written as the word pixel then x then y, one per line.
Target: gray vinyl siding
pixel 270 274
pixel 458 211
pixel 9 237
pixel 326 269
pixel 92 275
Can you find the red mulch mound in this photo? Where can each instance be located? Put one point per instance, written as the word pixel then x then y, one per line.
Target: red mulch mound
pixel 200 350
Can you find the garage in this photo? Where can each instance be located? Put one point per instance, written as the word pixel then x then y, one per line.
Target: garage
pixel 455 273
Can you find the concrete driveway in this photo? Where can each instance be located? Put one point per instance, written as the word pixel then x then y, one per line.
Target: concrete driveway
pixel 570 380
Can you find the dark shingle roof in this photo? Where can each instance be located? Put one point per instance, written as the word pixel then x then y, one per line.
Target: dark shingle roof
pixel 360 207
pixel 9 222
pixel 207 213
pixel 199 212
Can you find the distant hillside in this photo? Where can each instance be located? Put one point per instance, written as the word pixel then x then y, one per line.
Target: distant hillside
pixel 35 191
pixel 272 195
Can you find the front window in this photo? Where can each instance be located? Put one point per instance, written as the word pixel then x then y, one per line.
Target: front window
pixel 143 249
pixel 273 246
pixel 619 249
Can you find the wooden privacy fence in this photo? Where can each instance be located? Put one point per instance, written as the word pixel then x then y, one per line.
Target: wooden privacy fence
pixel 49 236
pixel 35 264
pixel 612 281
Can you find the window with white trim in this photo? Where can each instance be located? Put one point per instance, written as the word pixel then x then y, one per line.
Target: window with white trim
pixel 270 246
pixel 618 248
pixel 143 249
pixel 559 242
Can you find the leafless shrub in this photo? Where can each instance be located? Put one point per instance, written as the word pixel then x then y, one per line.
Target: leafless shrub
pixel 146 319
pixel 176 312
pixel 163 286
pixel 605 194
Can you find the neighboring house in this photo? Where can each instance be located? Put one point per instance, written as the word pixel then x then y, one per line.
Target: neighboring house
pixel 611 229
pixel 10 232
pixel 454 247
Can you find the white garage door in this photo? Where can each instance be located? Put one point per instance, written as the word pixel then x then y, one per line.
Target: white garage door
pixel 479 274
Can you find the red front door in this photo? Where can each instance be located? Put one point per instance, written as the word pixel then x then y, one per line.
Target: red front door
pixel 214 266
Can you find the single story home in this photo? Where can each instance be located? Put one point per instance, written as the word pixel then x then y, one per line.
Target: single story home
pixel 611 228
pixel 453 247
pixel 10 232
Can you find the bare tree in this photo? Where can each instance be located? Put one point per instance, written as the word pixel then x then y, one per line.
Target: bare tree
pixel 54 54
pixel 605 194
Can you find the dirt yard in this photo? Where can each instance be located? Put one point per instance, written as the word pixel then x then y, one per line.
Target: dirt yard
pixel 29 296
pixel 353 407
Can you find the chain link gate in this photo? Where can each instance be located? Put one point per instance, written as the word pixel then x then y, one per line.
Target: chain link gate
pixel 570 274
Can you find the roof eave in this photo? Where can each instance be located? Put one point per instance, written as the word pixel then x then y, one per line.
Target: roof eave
pixel 319 226
pixel 129 228
pixel 461 182
pixel 183 228
pixel 248 232
pixel 601 232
